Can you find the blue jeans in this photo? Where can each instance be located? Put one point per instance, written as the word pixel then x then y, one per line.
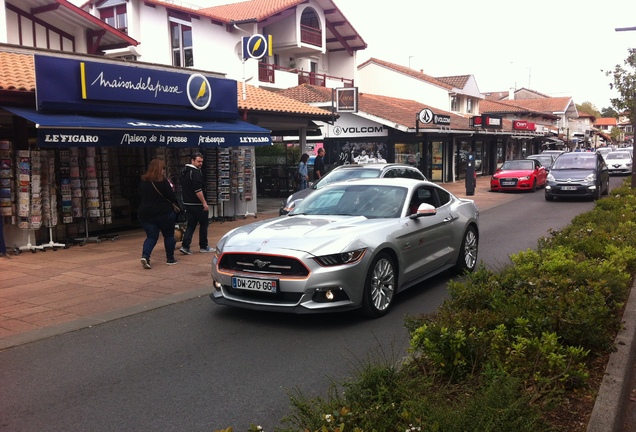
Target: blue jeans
pixel 155 225
pixel 196 215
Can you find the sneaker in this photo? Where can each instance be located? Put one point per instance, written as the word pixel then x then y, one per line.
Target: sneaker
pixel 146 263
pixel 185 251
pixel 172 261
pixel 207 249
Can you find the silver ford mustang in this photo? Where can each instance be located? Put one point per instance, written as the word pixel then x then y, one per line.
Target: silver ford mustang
pixel 349 245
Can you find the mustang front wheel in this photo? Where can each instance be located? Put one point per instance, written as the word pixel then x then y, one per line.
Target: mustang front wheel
pixel 467 259
pixel 379 286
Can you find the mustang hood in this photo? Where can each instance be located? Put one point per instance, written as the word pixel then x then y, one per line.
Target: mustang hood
pixel 327 234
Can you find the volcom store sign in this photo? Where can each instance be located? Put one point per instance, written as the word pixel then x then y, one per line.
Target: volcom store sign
pixel 351 126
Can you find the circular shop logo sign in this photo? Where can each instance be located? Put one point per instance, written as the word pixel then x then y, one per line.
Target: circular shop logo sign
pixel 337 130
pixel 257 46
pixel 199 91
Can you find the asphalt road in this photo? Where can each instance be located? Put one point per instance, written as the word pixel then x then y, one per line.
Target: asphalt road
pixel 196 366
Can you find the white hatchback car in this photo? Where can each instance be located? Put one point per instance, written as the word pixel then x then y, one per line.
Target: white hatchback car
pixel 619 162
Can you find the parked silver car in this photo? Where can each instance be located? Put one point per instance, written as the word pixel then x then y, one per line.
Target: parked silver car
pixel 349 245
pixel 350 172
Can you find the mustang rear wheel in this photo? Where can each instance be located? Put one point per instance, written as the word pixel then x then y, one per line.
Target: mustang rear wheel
pixel 379 287
pixel 467 259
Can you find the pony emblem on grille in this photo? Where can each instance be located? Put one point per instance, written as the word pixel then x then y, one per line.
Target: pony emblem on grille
pixel 261 264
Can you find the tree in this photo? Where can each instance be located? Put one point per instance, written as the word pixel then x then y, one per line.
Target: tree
pixel 609 112
pixel 588 108
pixel 625 84
pixel 616 134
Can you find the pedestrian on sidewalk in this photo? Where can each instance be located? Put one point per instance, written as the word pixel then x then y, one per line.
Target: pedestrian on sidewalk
pixel 303 175
pixel 156 212
pixel 319 164
pixel 196 206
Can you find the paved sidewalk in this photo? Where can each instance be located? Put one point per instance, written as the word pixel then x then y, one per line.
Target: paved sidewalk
pixel 43 294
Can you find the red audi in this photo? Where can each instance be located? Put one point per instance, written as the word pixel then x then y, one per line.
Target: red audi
pixel 519 174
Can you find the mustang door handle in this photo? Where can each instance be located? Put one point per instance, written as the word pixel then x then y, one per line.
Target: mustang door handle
pixel 449 218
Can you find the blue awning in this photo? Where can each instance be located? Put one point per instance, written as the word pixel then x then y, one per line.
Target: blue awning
pixel 71 130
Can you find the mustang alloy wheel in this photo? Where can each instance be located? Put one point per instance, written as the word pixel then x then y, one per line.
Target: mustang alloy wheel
pixel 379 287
pixel 467 259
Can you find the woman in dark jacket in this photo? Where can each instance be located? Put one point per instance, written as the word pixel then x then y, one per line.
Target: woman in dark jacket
pixel 156 213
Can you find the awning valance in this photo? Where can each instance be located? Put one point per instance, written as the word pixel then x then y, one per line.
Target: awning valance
pixel 71 130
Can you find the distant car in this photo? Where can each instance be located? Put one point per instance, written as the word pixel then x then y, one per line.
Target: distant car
pixel 554 153
pixel 603 151
pixel 519 174
pixel 578 174
pixel 546 159
pixel 619 162
pixel 349 245
pixel 350 172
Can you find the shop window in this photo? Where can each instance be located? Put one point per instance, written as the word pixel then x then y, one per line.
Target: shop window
pixel 454 103
pixel 115 16
pixel 181 39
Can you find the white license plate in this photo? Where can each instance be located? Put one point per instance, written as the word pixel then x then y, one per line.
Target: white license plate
pixel 508 183
pixel 568 187
pixel 253 284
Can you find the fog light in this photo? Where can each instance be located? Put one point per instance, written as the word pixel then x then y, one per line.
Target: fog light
pixel 217 285
pixel 329 295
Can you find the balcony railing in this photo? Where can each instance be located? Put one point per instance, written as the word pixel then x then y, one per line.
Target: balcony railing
pixel 310 35
pixel 267 74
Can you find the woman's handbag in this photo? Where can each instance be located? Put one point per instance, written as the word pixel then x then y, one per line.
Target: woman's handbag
pixel 176 207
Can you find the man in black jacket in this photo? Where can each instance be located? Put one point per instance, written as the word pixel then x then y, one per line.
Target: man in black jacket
pixel 193 193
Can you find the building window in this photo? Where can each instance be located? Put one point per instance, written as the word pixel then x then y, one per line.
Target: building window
pixel 469 106
pixel 181 37
pixel 454 103
pixel 115 16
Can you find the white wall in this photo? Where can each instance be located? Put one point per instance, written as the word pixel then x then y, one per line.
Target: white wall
pixel 379 80
pixel 3 19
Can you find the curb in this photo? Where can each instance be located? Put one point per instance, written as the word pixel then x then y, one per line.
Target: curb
pixel 609 409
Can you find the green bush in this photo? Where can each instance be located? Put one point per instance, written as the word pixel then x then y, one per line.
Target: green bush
pixel 505 345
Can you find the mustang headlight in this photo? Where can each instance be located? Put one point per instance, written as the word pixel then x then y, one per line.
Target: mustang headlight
pixel 340 258
pixel 591 178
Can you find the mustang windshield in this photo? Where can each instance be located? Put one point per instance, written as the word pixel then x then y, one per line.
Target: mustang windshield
pixel 370 201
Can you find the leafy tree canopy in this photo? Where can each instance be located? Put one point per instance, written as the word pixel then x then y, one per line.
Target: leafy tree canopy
pixel 588 108
pixel 609 112
pixel 624 82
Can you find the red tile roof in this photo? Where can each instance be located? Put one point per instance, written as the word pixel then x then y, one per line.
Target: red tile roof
pixel 395 110
pixel 458 81
pixel 605 121
pixel 510 107
pixel 544 105
pixel 408 71
pixel 17 72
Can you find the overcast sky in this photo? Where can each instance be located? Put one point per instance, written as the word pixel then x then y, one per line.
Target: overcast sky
pixel 557 47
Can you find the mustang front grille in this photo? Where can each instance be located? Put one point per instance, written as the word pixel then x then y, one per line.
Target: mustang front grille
pixel 263 264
